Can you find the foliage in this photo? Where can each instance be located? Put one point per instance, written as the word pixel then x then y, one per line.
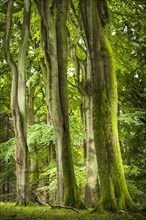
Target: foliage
pixel 40 135
pixel 136 191
pixel 49 172
pixel 128 42
pixel 7 158
pixel 7 168
pixel 7 150
pixel 79 165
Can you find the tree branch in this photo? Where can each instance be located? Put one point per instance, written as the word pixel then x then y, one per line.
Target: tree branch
pixel 77 63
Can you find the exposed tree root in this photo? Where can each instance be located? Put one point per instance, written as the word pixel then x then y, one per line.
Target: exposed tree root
pixel 55 206
pixel 63 207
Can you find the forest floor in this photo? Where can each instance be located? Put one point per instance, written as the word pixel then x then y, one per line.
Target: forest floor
pixel 10 212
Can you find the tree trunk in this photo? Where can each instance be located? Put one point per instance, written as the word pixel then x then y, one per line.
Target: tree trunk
pixel 92 188
pixel 45 73
pixel 71 191
pixel 49 48
pixel 18 103
pixel 34 165
pixel 114 193
pixel 30 109
pixel 55 52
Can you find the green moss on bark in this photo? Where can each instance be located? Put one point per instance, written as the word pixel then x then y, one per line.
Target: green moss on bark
pixel 114 192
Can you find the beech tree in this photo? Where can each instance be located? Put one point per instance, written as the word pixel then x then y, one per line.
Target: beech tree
pixel 81 77
pixel 18 102
pixel 54 47
pixel 103 89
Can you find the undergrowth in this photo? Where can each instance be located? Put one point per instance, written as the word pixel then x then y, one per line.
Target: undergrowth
pixel 9 211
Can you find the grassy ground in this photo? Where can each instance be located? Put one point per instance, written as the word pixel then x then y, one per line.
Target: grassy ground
pixel 11 212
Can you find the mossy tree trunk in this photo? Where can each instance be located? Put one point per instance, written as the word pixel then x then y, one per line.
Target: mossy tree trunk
pixel 18 101
pixel 54 47
pixel 114 193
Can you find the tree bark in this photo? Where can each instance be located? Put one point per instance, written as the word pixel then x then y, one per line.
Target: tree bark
pixel 114 193
pixel 34 164
pixel 71 192
pixel 30 109
pixel 55 52
pixel 92 187
pixel 18 103
pixel 44 70
pixel 49 48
